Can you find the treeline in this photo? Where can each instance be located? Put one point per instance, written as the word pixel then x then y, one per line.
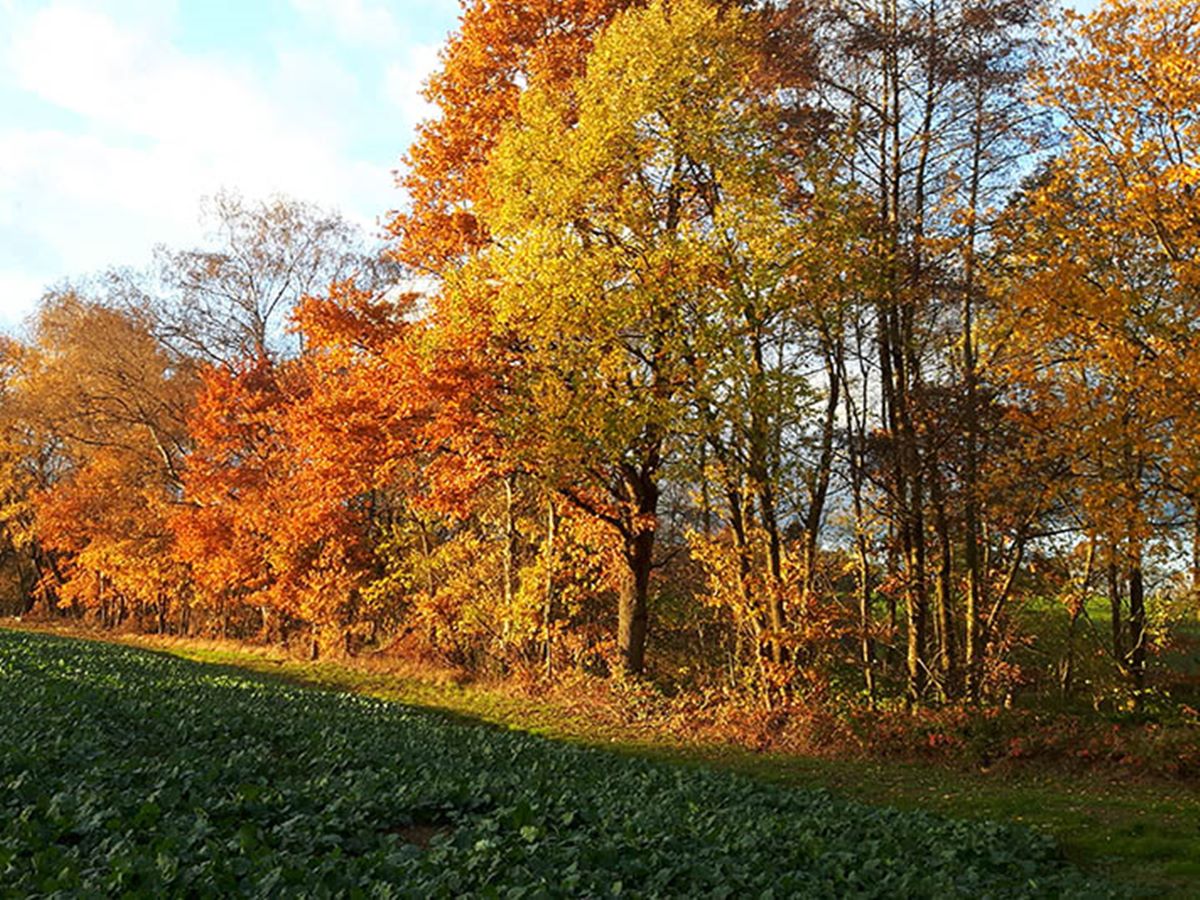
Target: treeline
pixel 784 348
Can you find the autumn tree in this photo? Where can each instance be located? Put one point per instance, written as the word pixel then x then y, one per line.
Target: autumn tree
pixel 501 47
pixel 612 208
pixel 246 530
pixel 1104 308
pixel 30 461
pixel 276 523
pixel 104 396
pixel 930 98
pixel 230 299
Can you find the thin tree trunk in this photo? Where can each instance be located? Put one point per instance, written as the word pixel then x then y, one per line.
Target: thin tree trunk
pixel 548 613
pixel 775 610
pixel 1116 606
pixel 427 553
pixel 741 545
pixel 1195 548
pixel 947 650
pixel 916 606
pixel 1137 627
pixel 819 483
pixel 1078 604
pixel 510 547
pixel 857 441
pixel 976 583
pixel 762 477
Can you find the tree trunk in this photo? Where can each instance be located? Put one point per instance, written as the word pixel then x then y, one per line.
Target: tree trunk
pixel 1078 605
pixel 632 611
pixel 947 649
pixel 427 554
pixel 761 470
pixel 510 547
pixel 1195 548
pixel 741 545
pixel 818 488
pixel 775 611
pixel 1118 615
pixel 1137 627
pixel 975 600
pixel 548 613
pixel 867 646
pixel 916 621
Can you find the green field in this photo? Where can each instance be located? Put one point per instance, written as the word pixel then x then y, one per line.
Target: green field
pixel 129 772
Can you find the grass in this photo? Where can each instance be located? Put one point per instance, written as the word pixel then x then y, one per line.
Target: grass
pixel 1143 833
pixel 135 773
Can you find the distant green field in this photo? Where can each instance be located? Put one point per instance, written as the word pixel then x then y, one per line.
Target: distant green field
pixel 129 772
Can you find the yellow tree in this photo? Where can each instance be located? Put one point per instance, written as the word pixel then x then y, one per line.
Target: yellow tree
pixel 622 213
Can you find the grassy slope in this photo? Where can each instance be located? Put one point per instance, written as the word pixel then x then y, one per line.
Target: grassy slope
pixel 1146 834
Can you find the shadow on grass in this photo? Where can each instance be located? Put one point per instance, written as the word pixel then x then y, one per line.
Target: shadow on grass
pixel 1144 834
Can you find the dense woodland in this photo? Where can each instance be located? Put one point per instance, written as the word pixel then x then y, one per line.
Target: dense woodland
pixel 835 352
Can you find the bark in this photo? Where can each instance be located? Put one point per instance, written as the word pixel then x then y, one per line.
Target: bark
pixel 1078 603
pixel 818 488
pixel 427 553
pixel 638 533
pixel 632 614
pixel 1137 627
pixel 548 612
pixel 866 644
pixel 737 521
pixel 857 442
pixel 775 611
pixel 1195 547
pixel 1116 604
pixel 510 545
pixel 762 476
pixel 975 601
pixel 916 611
pixel 947 649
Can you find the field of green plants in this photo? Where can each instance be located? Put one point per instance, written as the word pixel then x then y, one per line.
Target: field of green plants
pixel 129 772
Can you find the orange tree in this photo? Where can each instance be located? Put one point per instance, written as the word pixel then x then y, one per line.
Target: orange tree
pixel 110 404
pixel 1100 335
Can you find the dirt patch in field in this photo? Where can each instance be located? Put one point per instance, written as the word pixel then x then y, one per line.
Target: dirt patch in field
pixel 419 834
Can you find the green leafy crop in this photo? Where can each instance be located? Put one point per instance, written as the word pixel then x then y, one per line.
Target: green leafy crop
pixel 124 772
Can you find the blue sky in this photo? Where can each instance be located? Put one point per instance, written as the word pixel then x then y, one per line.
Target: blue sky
pixel 118 116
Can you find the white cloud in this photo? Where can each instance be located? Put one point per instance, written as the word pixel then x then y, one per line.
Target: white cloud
pixel 17 296
pixel 405 79
pixel 361 22
pixel 160 128
pixel 133 81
